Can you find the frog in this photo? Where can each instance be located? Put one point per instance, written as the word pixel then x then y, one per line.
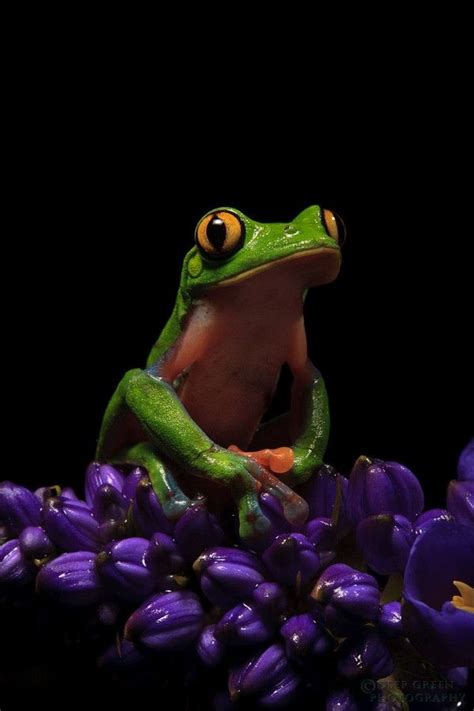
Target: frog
pixel 196 411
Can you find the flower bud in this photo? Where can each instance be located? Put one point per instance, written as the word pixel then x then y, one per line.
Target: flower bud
pixel 270 599
pixel 385 542
pixel 321 493
pixel 14 568
pixel 109 504
pixel 210 650
pixel 19 507
pixel 389 620
pixel 131 482
pixel 461 501
pixel 227 575
pixel 350 598
pixel 196 530
pixel 243 625
pixel 364 656
pixel 71 525
pixel 377 487
pixel 167 621
pixel 99 474
pixel 265 675
pixel 71 579
pixel 121 567
pixel 35 544
pixel 292 559
pixel 303 636
pixel 148 513
pixel 163 556
pixel 322 534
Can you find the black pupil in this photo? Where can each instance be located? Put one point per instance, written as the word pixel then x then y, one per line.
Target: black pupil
pixel 216 232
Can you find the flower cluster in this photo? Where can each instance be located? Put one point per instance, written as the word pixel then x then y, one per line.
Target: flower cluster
pixel 276 617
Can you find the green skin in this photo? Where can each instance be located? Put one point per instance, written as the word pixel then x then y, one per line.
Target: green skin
pixel 146 424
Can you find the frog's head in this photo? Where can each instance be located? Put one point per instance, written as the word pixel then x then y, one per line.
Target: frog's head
pixel 231 249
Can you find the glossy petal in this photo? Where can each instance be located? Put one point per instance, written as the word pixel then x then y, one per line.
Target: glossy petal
pixel 109 504
pixel 14 568
pixel 364 656
pixel 320 493
pixel 271 599
pixel 99 474
pixel 442 633
pixel 196 530
pixel 424 520
pixel 228 575
pixel 35 544
pixel 148 514
pixel 292 559
pixel 167 621
pixel 350 598
pixel 377 487
pixel 323 535
pixel 19 507
pixel 259 673
pixel 243 625
pixel 389 621
pixel 131 482
pixel 123 570
pixel 385 542
pixel 71 525
pixel 466 463
pixel 71 579
pixel 303 636
pixel 163 555
pixel 210 650
pixel 461 501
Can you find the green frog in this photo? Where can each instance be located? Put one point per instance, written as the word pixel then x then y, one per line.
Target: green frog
pixel 196 409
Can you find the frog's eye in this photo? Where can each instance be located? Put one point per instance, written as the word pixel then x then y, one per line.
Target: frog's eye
pixel 333 225
pixel 220 234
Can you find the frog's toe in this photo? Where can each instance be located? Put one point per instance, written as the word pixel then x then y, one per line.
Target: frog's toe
pixel 176 505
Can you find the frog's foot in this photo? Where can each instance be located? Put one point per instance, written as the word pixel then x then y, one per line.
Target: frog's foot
pixel 266 461
pixel 173 501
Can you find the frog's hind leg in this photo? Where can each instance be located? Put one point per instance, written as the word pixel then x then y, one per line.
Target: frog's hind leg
pixel 173 501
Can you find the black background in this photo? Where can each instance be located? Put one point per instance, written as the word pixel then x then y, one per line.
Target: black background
pixel 114 162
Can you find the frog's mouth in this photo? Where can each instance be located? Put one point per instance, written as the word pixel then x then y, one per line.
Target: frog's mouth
pixel 310 267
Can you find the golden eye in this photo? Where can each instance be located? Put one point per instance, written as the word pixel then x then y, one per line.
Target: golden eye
pixel 333 225
pixel 220 234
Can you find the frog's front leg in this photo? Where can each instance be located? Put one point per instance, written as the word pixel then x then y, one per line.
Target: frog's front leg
pixel 150 397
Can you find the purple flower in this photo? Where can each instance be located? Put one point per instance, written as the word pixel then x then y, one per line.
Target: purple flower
pixel 243 625
pixel 271 599
pixel 466 463
pixel 123 570
pixel 148 513
pixel 292 559
pixel 163 556
pixel 227 575
pixel 461 501
pixel 109 504
pixel 389 620
pixel 438 614
pixel 323 535
pixel 377 487
pixel 209 648
pixel 303 635
pixel 71 525
pixel 35 544
pixel 385 541
pixel 321 492
pixel 99 474
pixel 267 676
pixel 364 656
pixel 196 530
pixel 14 568
pixel 71 579
pixel 424 520
pixel 19 507
pixel 131 482
pixel 350 598
pixel 167 621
